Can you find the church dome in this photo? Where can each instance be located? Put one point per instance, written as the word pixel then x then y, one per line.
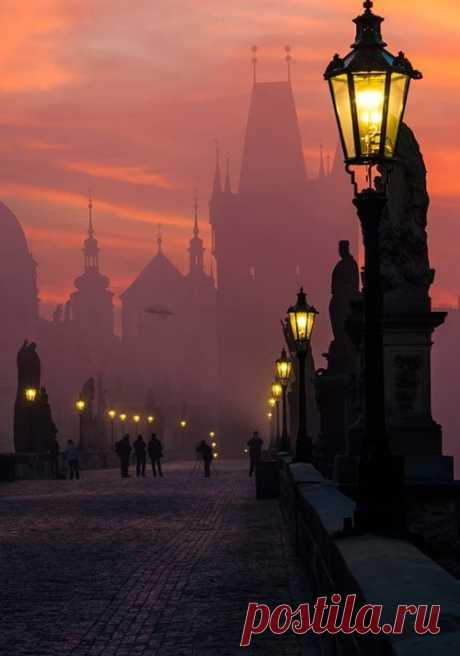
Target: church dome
pixel 13 240
pixel 18 275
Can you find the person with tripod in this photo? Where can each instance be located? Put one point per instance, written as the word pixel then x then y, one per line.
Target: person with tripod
pixel 205 452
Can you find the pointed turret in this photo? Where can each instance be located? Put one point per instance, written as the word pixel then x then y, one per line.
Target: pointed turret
pixel 228 184
pixel 217 184
pixel 322 172
pixel 196 249
pixel 337 165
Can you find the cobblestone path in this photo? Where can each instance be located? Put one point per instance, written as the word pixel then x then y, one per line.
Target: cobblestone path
pixel 111 567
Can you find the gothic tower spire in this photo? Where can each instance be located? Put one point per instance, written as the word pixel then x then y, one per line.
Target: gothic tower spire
pixel 217 184
pixel 196 249
pixel 228 184
pixel 322 172
pixel 90 246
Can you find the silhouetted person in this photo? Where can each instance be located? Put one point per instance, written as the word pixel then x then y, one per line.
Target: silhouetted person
pixel 255 451
pixel 72 456
pixel 123 449
pixel 155 450
pixel 54 452
pixel 140 450
pixel 205 451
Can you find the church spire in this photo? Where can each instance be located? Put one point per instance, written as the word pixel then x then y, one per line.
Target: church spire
pixel 228 184
pixel 90 214
pixel 196 249
pixel 217 184
pixel 159 239
pixel 196 230
pixel 90 246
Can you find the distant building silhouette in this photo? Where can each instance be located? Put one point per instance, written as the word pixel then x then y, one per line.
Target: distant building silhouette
pixel 270 237
pixel 91 306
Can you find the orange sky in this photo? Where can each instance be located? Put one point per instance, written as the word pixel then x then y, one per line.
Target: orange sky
pixel 128 97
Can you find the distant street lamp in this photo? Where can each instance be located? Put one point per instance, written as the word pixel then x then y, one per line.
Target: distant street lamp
pixel 136 420
pixel 112 414
pixel 123 418
pixel 369 90
pixel 31 394
pixel 277 393
pixel 80 406
pixel 150 419
pixel 301 320
pixel 183 423
pixel 283 371
pixel 272 405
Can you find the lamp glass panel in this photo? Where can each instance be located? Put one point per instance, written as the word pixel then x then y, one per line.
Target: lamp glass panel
pixel 398 89
pixel 341 96
pixel 311 317
pixel 370 104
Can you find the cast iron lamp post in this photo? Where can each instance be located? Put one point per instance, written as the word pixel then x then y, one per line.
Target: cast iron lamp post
pixel 277 393
pixel 112 414
pixel 80 406
pixel 123 417
pixel 283 370
pixel 301 320
pixel 369 90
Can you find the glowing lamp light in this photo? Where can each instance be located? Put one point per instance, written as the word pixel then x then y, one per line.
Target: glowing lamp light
pixel 277 391
pixel 283 367
pixel 245 451
pixel 183 423
pixel 269 415
pixel 31 394
pixel 369 89
pixel 301 317
pixel 112 414
pixel 150 419
pixel 215 455
pixel 272 402
pixel 80 405
pixel 214 444
pixel 123 417
pixel 212 434
pixel 136 419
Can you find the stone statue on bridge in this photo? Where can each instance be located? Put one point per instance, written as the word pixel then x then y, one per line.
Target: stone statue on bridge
pixel 34 428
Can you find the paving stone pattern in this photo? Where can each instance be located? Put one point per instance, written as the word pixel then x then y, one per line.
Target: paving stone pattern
pixel 161 567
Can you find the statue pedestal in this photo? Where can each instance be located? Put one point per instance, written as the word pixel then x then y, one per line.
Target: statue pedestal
pixel 413 432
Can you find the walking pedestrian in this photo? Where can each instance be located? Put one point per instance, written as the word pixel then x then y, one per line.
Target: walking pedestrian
pixel 155 450
pixel 205 451
pixel 140 450
pixel 123 449
pixel 72 458
pixel 255 451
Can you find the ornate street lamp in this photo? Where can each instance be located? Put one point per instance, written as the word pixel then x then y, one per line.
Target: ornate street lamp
pixel 80 406
pixel 112 414
pixel 301 320
pixel 277 393
pixel 283 371
pixel 31 394
pixel 369 90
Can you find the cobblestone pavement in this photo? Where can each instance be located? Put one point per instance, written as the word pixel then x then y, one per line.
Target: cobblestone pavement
pixel 104 566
